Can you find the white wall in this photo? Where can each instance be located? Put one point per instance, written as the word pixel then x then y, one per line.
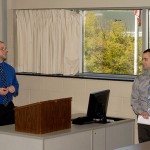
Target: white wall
pixel 3 20
pixel 0 20
pixel 28 4
pixel 38 88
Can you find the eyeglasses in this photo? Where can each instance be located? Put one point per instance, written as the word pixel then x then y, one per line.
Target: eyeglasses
pixel 4 49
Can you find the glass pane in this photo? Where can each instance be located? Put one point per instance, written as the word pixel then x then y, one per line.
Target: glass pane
pixel 110 44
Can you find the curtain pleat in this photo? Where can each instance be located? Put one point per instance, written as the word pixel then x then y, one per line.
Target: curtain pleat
pixel 48 41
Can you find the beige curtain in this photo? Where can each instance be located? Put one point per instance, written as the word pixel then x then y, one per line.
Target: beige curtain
pixel 48 41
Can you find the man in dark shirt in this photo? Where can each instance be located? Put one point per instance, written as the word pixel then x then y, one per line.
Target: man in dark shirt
pixel 9 90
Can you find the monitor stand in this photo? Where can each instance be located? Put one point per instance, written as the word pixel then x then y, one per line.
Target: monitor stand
pixel 82 120
pixel 102 120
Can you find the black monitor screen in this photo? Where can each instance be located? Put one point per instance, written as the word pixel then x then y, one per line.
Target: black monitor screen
pixel 98 102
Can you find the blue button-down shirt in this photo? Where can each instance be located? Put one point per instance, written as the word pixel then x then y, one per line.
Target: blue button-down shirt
pixel 11 79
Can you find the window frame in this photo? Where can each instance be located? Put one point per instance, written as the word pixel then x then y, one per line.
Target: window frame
pixel 99 76
pixel 145 45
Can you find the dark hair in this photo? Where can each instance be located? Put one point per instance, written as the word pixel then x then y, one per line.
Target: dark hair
pixel 147 50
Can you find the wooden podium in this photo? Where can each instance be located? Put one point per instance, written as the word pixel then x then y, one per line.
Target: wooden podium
pixel 44 117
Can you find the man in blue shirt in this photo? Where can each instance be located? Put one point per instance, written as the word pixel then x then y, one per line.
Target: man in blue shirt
pixel 11 89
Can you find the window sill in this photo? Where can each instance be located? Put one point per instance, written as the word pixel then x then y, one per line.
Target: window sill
pixel 85 76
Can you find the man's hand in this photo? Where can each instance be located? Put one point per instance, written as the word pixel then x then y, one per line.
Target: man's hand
pixel 145 115
pixel 3 91
pixel 11 89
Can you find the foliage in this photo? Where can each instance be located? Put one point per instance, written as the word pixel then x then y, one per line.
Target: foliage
pixel 108 49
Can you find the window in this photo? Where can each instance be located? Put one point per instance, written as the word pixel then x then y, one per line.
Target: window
pixel 112 42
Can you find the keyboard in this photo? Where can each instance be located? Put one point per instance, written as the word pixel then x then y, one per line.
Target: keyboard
pixel 82 120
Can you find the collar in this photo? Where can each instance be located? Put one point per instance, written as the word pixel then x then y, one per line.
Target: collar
pixel 147 73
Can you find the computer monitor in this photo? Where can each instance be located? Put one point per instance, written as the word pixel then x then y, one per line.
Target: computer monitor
pixel 97 107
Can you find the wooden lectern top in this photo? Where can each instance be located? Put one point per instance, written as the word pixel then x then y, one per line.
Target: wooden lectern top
pixel 43 117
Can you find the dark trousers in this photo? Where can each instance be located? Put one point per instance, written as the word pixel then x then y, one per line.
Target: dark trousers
pixel 7 114
pixel 143 133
